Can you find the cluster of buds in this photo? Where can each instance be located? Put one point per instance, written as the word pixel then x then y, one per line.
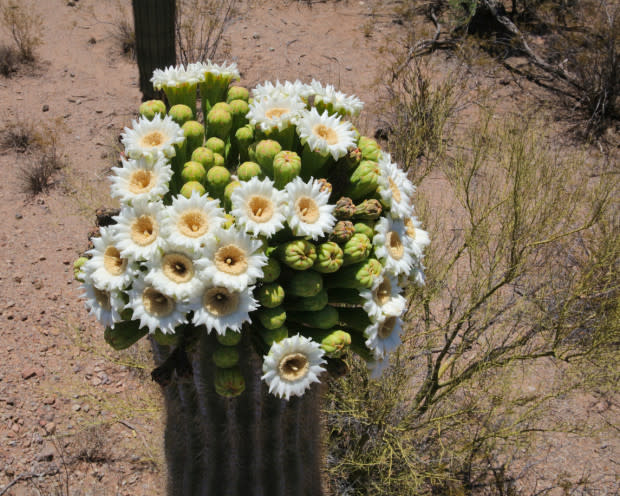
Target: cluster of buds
pixel 272 216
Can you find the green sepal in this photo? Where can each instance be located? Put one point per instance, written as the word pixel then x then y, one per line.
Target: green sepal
pixel 366 228
pixel 364 180
pixel 304 284
pixel 357 249
pixel 309 304
pixel 230 338
pixel 194 171
pixel 272 318
pixel 272 270
pixel 229 382
pixel 124 334
pixel 181 114
pixel 270 336
pixel 151 108
pixel 270 295
pixel 326 318
pixel 248 170
pixel 204 156
pixel 237 93
pixel 298 254
pixel 329 258
pixel 357 276
pixel 225 357
pixel 335 342
pixel 265 152
pixel 194 133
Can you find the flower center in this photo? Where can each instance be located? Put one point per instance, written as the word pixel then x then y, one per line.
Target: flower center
pixel 193 223
pixel 141 181
pixel 293 366
pixel 152 139
pixel 274 113
pixel 395 190
pixel 231 259
pixel 144 230
pixel 410 228
pixel 383 292
pixel 326 133
pixel 113 262
pixel 178 268
pixel 385 329
pixel 156 303
pixel 220 302
pixel 260 209
pixel 103 299
pixel 394 245
pixel 307 209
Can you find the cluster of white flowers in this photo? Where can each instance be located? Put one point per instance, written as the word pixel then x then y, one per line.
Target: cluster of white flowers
pixel 170 260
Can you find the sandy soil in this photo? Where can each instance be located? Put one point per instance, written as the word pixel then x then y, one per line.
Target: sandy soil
pixel 76 418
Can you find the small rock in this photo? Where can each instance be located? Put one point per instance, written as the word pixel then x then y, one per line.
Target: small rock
pixel 19 216
pixel 71 74
pixel 104 154
pixel 348 68
pixel 92 41
pixel 45 456
pixel 50 428
pixel 271 49
pixel 15 428
pixel 76 408
pixel 256 36
pixel 85 408
pixel 70 4
pixel 45 108
pixel 49 401
pixel 29 373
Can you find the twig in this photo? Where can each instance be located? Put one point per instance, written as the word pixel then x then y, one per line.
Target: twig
pixel 27 476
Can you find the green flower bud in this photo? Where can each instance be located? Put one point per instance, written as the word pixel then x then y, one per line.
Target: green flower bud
pixel 309 304
pixel 203 156
pixel 248 170
pixel 272 318
pixel 219 123
pixel 334 342
pixel 356 276
pixel 270 295
pixel 369 148
pixel 230 338
pixel 298 254
pixel 345 208
pixel 194 171
pixel 181 113
pixel 329 258
pixel 353 158
pixel 244 136
pixel 225 357
pixel 218 160
pixel 271 271
pixel 77 268
pixel 273 335
pixel 190 187
pixel 286 167
pixel 228 191
pixel 218 178
pixel 368 210
pixel 325 185
pixel 364 180
pixel 342 232
pixel 366 228
pixel 304 284
pixel 237 93
pixel 326 318
pixel 358 248
pixel 124 334
pixel 194 134
pixel 221 106
pixel 266 150
pixel 151 108
pixel 165 339
pixel 229 382
pixel 238 111
pixel 216 145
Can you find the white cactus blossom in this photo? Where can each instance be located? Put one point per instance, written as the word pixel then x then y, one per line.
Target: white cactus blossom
pixel 220 309
pixel 141 179
pixel 107 270
pixel 325 134
pixel 259 207
pixel 309 212
pixel 152 139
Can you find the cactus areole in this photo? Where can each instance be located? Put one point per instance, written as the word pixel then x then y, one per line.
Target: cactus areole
pixel 252 250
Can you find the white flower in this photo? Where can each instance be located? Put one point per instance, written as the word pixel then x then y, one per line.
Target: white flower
pixel 417 237
pixel 258 207
pixel 393 247
pixel 395 189
pixel 275 112
pixel 138 230
pixel 152 138
pixel 173 77
pixel 292 365
pixel 308 210
pixel 325 133
pixel 383 299
pixel 291 90
pixel 107 269
pixel 190 223
pixel 141 180
pixel 383 336
pixel 104 305
pixel 203 68
pixel 154 309
pixel 235 261
pixel 336 100
pixel 173 273
pixel 219 308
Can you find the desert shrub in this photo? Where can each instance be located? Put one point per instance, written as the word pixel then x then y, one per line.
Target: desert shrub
pixel 24 25
pixel 37 176
pixel 450 415
pixel 200 26
pixel 9 60
pixel 124 36
pixel 19 135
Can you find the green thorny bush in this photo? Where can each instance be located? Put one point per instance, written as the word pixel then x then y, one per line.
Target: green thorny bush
pixel 524 268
